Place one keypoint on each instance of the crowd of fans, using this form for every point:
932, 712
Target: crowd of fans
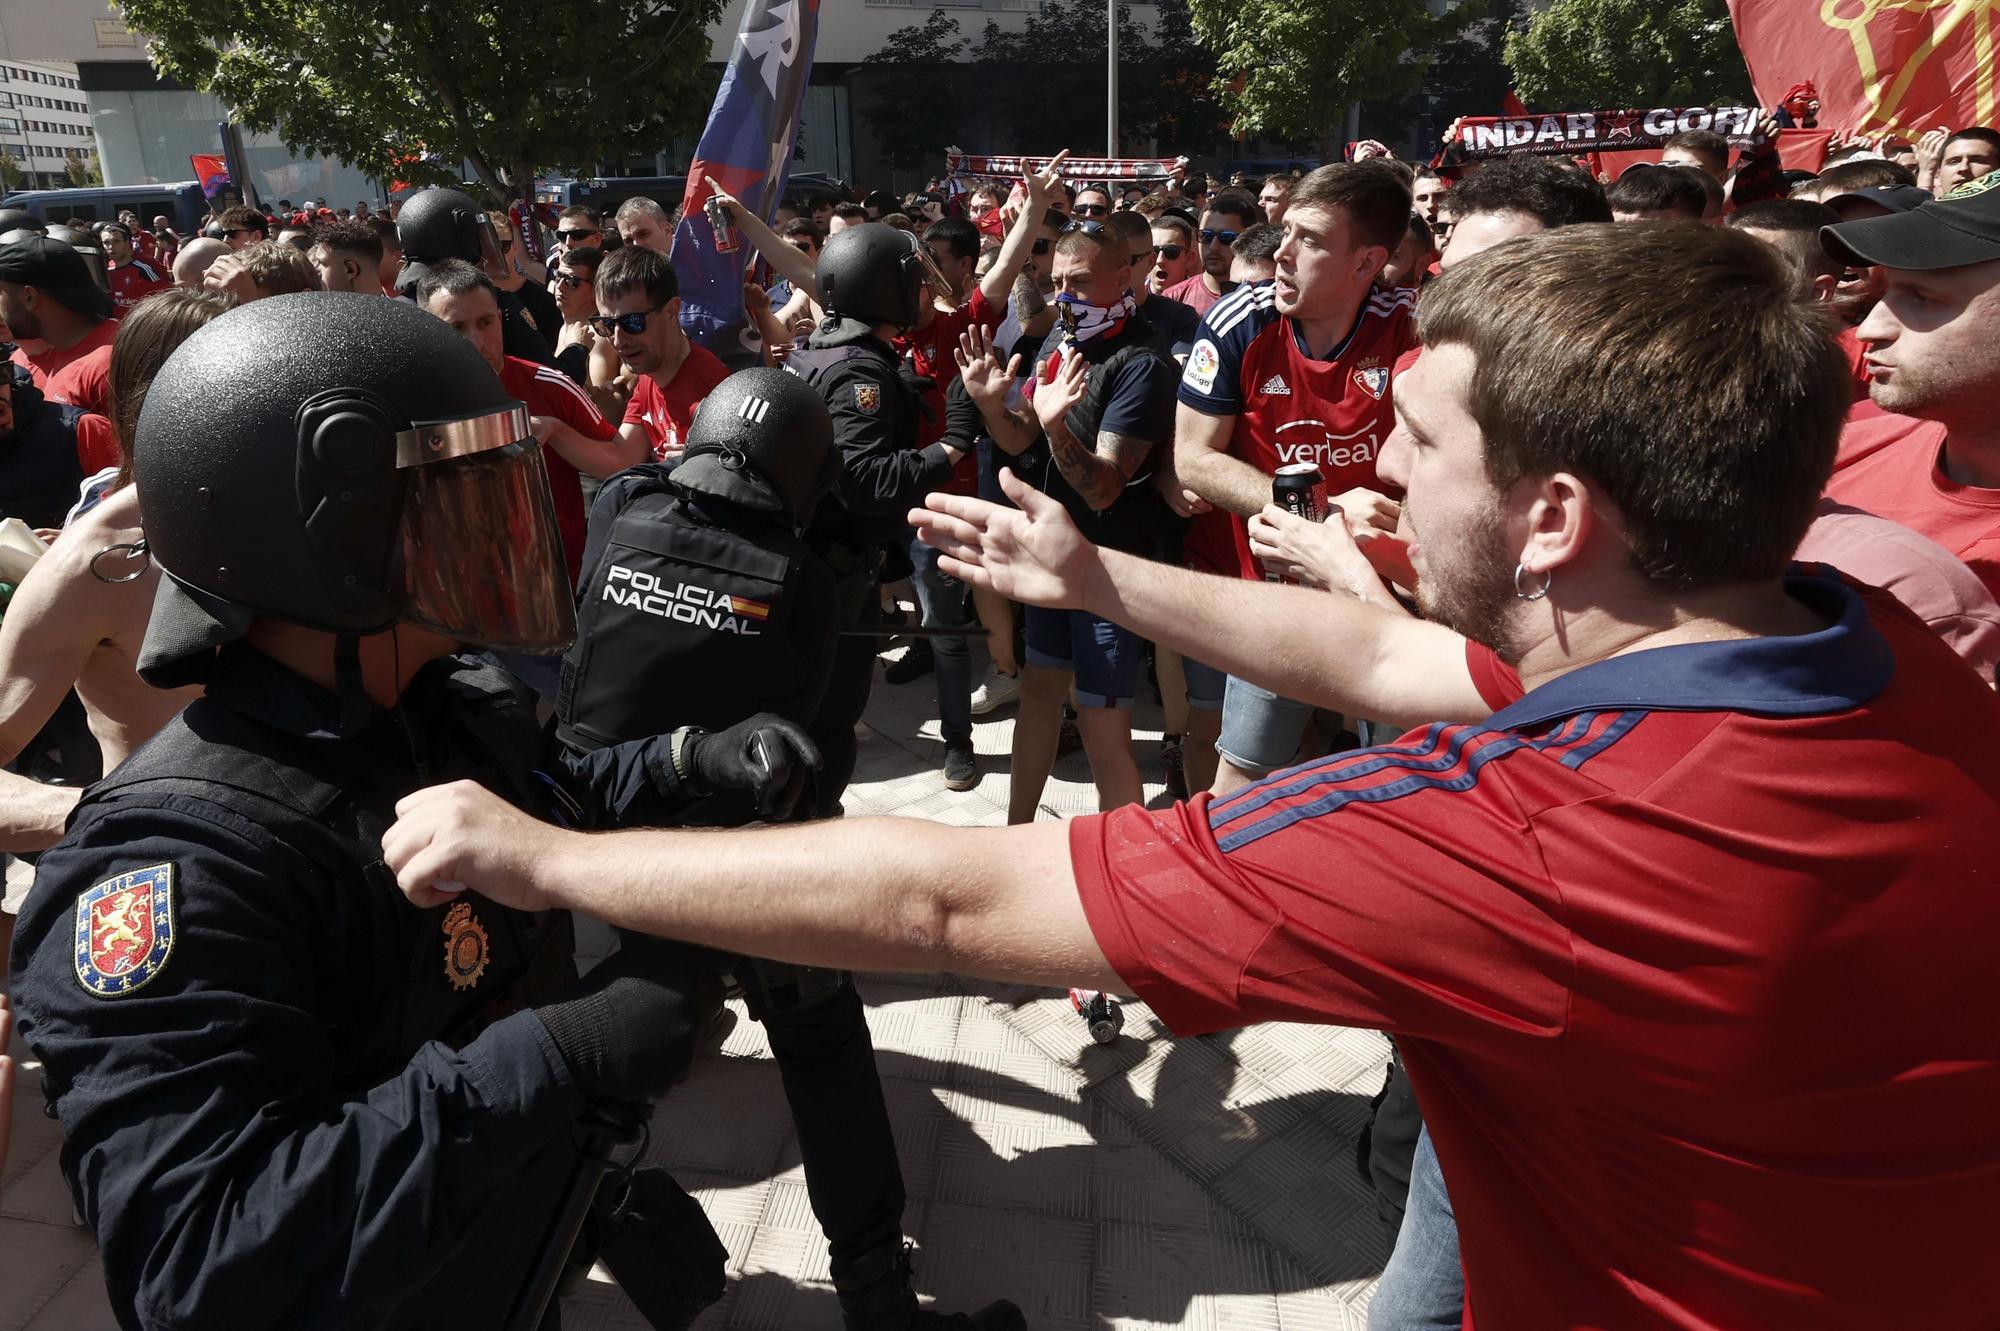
1148, 358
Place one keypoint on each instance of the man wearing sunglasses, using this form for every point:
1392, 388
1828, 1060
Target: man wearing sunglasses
1093, 203
1229, 215
240, 226
639, 313
1175, 258
580, 228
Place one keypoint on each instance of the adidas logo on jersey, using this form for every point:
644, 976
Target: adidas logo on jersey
1276, 386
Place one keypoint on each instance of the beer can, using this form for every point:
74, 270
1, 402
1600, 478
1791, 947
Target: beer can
1299, 488
726, 239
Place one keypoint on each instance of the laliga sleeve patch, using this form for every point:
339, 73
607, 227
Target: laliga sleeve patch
868, 398
1202, 365
125, 931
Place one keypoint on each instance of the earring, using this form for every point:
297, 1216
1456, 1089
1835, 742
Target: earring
1548, 581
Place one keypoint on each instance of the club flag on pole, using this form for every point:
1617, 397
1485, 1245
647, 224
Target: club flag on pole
747, 147
1908, 65
212, 170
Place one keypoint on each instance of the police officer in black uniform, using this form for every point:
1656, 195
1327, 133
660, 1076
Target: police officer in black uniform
871, 284
288, 1098
702, 604
438, 224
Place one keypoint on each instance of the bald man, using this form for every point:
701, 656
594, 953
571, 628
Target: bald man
192, 263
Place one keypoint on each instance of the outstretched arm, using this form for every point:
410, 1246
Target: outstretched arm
858, 893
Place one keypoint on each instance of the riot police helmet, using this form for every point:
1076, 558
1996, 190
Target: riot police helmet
342, 462
20, 219
85, 244
762, 439
871, 274
438, 224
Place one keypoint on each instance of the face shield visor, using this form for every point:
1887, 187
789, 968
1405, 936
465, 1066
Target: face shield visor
482, 559
488, 240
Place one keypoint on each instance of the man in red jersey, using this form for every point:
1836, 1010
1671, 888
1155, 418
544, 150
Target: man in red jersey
1230, 213
1295, 370
1933, 359
576, 440
1671, 986
133, 277
639, 313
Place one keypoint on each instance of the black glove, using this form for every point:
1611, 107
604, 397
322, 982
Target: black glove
766, 755
627, 1029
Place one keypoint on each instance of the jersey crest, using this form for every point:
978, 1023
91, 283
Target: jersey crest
1374, 380
125, 931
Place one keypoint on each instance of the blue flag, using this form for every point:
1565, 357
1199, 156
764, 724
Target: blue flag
747, 147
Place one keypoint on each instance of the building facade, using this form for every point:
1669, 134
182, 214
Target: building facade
45, 125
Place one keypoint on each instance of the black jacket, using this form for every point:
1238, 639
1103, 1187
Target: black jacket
40, 473
290, 1098
883, 473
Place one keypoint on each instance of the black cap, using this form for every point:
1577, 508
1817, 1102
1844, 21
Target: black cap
1889, 198
1961, 228
57, 270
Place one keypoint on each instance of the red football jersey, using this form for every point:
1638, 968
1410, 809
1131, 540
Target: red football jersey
1686, 954
665, 414
133, 282
1250, 362
547, 391
1888, 466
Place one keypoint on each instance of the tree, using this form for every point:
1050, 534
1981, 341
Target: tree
11, 174
1593, 54
407, 91
1291, 68
80, 173
914, 110
1467, 77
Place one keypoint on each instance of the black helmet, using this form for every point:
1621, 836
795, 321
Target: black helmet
20, 219
439, 224
871, 274
85, 244
341, 462
762, 438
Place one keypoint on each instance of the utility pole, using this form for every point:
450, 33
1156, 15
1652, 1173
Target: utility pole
1111, 80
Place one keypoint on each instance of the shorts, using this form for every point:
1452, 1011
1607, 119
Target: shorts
1104, 657
1205, 685
1261, 732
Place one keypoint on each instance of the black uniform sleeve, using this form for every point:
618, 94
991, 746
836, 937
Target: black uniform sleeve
625, 785
963, 425
517, 334
879, 478
228, 1180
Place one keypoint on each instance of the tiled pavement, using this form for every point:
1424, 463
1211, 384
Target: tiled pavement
1204, 1183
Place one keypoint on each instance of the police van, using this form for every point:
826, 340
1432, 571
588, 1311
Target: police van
181, 202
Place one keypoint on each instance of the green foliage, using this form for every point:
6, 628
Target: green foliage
1042, 87
1596, 54
79, 173
379, 83
1290, 68
1467, 77
11, 174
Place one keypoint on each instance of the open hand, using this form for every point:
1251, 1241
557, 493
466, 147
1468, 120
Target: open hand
1054, 399
1033, 554
460, 837
986, 380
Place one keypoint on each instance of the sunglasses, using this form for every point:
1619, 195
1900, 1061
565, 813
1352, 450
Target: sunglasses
578, 234
634, 323
571, 281
1213, 237
226, 232
1170, 252
1092, 210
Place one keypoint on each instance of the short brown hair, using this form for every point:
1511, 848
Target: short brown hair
1669, 365
636, 268
1703, 143
241, 218
1237, 204
1152, 205
1375, 198
146, 337
1791, 227
278, 270
350, 237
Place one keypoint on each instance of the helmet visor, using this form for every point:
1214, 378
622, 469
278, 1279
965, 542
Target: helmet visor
478, 487
490, 253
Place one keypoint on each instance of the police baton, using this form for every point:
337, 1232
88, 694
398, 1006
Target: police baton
605, 1128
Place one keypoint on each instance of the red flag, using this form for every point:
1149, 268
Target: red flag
1512, 105
212, 171
1910, 65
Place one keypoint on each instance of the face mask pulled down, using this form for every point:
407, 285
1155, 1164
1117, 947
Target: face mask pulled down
1084, 322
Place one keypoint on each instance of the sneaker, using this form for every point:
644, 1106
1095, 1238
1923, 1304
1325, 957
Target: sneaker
995, 691
961, 766
917, 662
1175, 764
1070, 739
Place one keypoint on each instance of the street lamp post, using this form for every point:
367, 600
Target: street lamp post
1111, 80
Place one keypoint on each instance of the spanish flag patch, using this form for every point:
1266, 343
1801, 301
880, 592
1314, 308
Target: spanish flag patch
743, 605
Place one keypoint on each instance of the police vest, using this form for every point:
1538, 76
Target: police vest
389, 986
681, 622
833, 522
